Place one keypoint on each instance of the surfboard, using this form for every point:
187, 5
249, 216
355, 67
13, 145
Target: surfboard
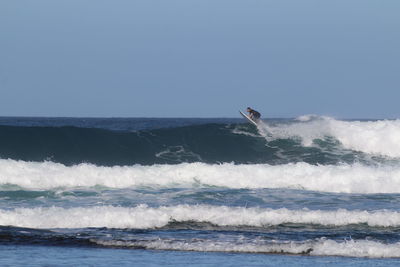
248, 118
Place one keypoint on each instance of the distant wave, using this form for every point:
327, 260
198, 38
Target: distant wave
144, 217
344, 178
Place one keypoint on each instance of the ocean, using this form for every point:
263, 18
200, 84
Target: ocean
205, 192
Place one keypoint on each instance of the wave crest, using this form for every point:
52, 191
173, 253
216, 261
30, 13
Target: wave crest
144, 217
321, 247
345, 178
380, 137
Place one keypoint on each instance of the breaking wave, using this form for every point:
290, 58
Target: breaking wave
344, 178
380, 137
145, 217
311, 139
319, 247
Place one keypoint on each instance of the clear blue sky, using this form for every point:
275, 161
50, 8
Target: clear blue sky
200, 58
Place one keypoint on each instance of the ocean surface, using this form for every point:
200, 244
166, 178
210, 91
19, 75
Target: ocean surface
204, 192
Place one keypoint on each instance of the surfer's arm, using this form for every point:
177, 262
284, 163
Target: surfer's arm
251, 115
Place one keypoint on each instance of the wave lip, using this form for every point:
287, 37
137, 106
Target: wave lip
344, 178
321, 247
380, 137
144, 217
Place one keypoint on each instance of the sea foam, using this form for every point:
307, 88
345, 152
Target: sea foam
321, 247
380, 137
145, 217
345, 178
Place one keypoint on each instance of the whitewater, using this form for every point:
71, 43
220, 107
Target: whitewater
309, 186
322, 247
144, 217
380, 137
343, 178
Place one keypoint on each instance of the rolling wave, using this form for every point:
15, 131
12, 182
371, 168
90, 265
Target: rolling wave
319, 247
315, 140
71, 145
343, 178
223, 242
144, 217
381, 137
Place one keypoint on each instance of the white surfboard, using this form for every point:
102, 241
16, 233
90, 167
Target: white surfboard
248, 118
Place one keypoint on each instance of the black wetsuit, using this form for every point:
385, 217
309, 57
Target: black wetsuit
255, 114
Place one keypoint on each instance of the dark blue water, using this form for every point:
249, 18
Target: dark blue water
81, 256
97, 191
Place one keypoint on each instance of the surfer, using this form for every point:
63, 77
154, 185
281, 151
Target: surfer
253, 114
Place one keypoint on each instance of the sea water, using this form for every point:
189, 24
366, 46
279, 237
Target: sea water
108, 191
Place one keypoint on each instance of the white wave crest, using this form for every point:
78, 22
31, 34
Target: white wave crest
326, 178
308, 117
322, 247
375, 137
144, 217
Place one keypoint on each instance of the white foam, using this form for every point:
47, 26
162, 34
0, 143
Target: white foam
308, 117
379, 137
322, 247
144, 217
327, 178
376, 137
